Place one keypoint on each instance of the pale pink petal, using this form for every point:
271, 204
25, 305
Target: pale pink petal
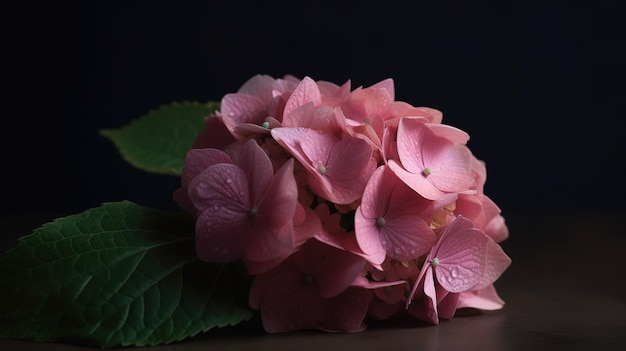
368, 237
242, 108
386, 84
260, 86
316, 147
417, 182
449, 166
406, 237
450, 133
307, 91
322, 119
485, 299
362, 104
496, 262
461, 259
497, 229
412, 137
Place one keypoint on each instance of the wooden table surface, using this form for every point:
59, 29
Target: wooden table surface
565, 290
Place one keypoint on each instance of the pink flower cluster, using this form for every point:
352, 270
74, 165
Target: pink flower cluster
344, 205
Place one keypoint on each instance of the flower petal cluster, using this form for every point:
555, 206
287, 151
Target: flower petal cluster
344, 204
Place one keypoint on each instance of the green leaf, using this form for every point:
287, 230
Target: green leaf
115, 275
159, 141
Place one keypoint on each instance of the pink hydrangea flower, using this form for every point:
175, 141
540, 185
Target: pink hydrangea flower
261, 97
390, 222
432, 161
313, 289
343, 205
245, 210
463, 259
338, 167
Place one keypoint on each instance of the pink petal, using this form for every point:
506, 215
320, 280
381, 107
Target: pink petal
485, 299
197, 160
427, 310
449, 166
368, 237
278, 204
214, 135
266, 243
346, 312
242, 108
386, 84
221, 184
288, 303
461, 259
258, 168
337, 271
307, 91
450, 133
406, 237
220, 234
417, 182
447, 304
260, 86
497, 229
496, 262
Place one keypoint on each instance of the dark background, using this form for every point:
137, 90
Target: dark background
539, 86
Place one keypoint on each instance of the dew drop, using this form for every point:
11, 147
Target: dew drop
454, 272
228, 180
203, 185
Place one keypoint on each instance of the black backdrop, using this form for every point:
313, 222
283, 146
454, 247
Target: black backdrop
539, 86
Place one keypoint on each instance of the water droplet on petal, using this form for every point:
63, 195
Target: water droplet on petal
454, 272
228, 180
203, 185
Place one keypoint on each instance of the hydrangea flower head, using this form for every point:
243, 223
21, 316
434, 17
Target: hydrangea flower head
344, 205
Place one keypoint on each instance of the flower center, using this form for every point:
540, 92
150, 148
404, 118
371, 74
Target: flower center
308, 279
321, 169
380, 221
253, 211
435, 262
426, 172
265, 125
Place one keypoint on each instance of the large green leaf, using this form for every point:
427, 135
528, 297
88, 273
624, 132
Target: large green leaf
119, 274
159, 141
